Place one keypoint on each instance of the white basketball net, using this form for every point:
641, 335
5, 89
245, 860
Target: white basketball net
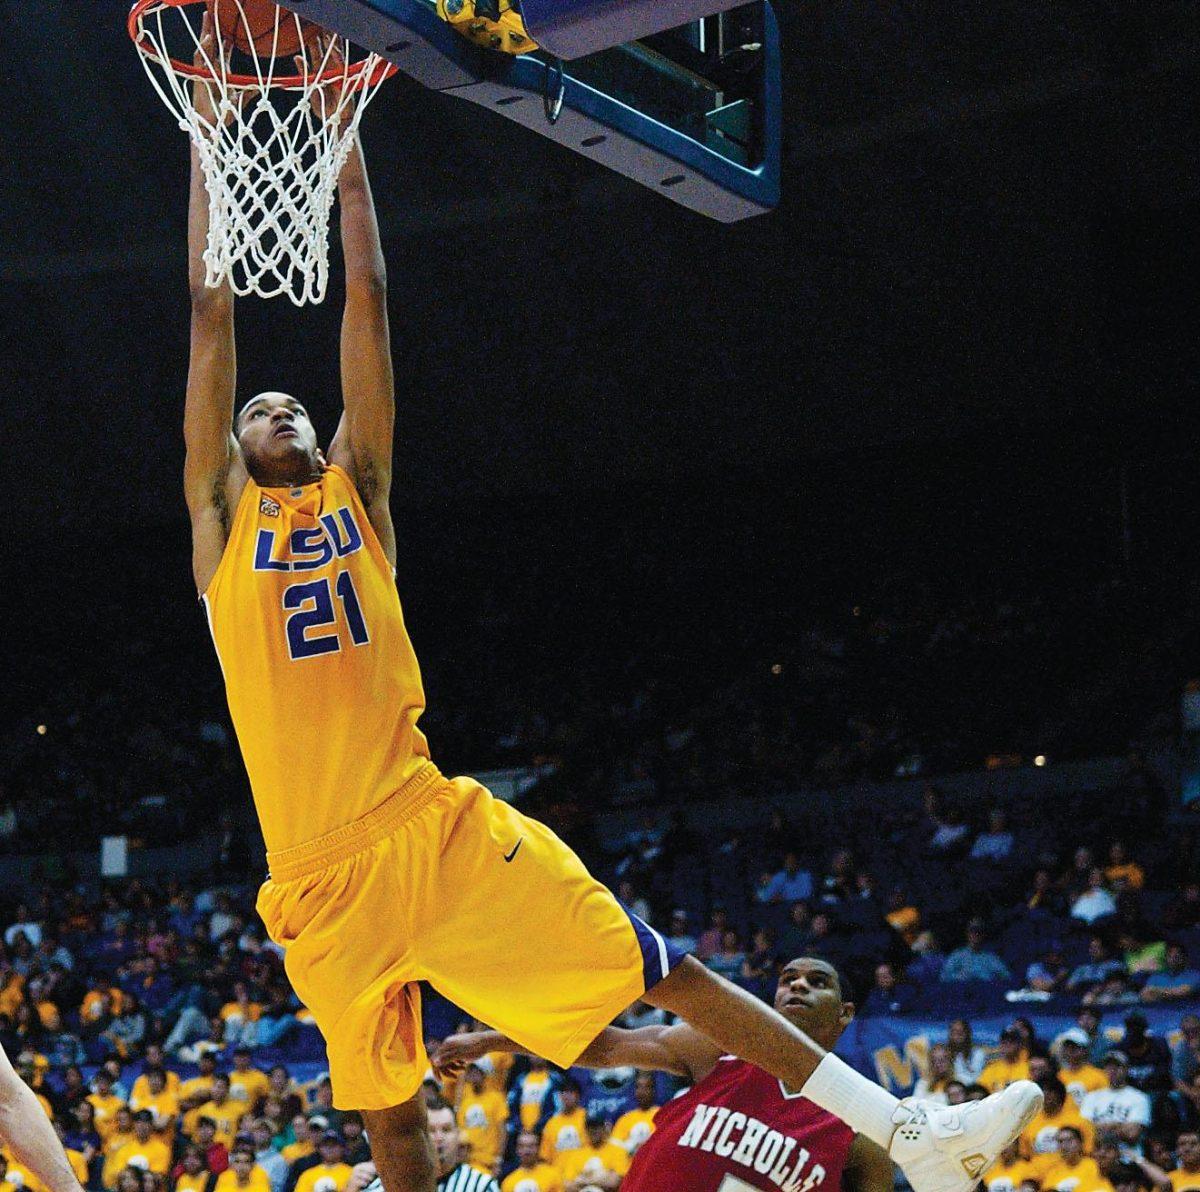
273, 154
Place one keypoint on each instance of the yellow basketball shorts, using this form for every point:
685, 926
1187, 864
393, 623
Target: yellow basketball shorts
445, 883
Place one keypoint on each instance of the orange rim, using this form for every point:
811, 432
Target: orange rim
355, 74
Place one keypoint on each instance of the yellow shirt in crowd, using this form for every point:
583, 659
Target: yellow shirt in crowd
249, 1086
106, 1113
593, 1161
338, 1172
542, 1178
1009, 1177
999, 1074
227, 1181
633, 1128
297, 1150
564, 1132
481, 1118
165, 1108
141, 1087
225, 1116
1039, 1142
1083, 1177
1082, 1080
533, 1093
154, 1151
1184, 1181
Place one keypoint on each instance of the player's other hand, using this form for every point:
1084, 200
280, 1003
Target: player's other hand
458, 1051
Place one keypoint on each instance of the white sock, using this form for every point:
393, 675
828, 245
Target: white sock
865, 1107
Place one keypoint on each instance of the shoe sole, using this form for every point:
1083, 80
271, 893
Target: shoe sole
1035, 1104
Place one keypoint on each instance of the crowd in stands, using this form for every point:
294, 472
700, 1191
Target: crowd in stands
157, 1023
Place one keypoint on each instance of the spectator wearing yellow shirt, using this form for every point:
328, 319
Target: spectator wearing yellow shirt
194, 1092
144, 1151
1039, 1142
224, 1111
1073, 1171
531, 1174
1008, 1066
120, 1134
155, 1058
162, 1103
634, 1127
482, 1117
331, 1149
243, 1173
1079, 1076
1122, 872
531, 1090
598, 1164
12, 993
247, 1084
1010, 1171
566, 1129
101, 1003
105, 1102
306, 1134
1186, 1177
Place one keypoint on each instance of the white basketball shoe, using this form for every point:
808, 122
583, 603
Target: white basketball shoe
946, 1148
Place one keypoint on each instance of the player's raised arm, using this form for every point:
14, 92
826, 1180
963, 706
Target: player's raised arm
363, 443
213, 472
28, 1134
678, 1049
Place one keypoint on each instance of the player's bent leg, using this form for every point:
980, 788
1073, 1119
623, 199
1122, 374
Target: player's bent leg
401, 1148
939, 1148
742, 1024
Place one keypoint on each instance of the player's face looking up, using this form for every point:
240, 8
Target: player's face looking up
278, 441
810, 996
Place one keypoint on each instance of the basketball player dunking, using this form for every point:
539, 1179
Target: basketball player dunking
382, 872
738, 1128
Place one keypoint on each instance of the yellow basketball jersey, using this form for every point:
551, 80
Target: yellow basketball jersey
321, 678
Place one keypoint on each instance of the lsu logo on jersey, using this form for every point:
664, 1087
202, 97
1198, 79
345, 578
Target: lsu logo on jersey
335, 535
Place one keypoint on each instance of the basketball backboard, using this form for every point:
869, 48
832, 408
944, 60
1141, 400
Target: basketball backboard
692, 112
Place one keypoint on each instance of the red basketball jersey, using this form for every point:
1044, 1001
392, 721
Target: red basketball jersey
738, 1131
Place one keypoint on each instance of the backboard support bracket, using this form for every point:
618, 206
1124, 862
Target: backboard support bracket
684, 112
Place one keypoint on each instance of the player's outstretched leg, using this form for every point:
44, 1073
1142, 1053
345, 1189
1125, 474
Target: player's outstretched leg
939, 1148
401, 1148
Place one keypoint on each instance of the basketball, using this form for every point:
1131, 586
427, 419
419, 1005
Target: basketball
250, 24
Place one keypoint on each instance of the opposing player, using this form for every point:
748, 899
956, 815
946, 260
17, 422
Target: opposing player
738, 1127
26, 1133
383, 872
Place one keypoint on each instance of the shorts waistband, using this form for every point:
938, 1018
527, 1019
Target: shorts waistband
414, 796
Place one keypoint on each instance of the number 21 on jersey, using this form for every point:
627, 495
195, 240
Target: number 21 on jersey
312, 609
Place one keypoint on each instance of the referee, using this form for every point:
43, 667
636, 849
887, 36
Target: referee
453, 1174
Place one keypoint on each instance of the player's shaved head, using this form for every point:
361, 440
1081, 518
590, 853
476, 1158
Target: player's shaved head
269, 398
